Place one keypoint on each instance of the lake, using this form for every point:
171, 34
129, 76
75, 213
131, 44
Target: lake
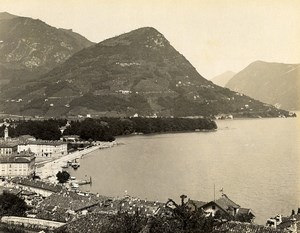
255, 161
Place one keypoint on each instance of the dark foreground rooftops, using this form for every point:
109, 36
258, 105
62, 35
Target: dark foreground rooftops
55, 188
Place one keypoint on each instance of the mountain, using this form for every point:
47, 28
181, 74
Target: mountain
138, 72
30, 47
222, 79
274, 83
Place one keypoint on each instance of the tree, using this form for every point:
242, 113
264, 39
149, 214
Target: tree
190, 220
11, 204
63, 176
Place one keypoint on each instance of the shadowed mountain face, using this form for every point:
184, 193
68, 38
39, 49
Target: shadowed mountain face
137, 72
29, 47
222, 79
274, 83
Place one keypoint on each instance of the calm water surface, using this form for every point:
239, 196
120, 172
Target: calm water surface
256, 162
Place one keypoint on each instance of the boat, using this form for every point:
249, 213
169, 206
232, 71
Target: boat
74, 185
75, 165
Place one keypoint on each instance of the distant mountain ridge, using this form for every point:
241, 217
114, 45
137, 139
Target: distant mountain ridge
136, 73
222, 79
30, 47
274, 83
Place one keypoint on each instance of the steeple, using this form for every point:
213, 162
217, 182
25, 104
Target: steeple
5, 133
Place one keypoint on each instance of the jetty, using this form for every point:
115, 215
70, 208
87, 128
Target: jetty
84, 182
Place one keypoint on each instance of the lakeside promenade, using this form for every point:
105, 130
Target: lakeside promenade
48, 169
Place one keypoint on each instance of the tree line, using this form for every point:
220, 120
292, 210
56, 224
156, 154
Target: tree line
105, 129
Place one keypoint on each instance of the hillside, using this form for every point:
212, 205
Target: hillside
135, 73
30, 47
222, 79
274, 83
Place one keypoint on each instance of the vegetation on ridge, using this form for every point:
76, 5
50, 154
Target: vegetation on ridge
136, 72
105, 129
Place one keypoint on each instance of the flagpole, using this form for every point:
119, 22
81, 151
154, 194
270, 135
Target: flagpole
214, 192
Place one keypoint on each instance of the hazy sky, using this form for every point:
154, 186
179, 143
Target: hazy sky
214, 35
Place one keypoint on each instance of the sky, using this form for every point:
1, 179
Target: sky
214, 35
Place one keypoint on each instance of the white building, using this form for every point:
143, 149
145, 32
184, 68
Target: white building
43, 148
17, 165
8, 148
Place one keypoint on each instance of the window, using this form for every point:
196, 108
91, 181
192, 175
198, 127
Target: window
213, 207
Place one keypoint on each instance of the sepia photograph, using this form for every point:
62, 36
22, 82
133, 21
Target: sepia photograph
148, 116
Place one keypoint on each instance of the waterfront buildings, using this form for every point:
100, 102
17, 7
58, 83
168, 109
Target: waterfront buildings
22, 164
43, 148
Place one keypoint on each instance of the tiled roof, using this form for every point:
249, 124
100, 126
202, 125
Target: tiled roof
198, 204
226, 203
45, 142
23, 157
245, 211
66, 201
8, 144
37, 184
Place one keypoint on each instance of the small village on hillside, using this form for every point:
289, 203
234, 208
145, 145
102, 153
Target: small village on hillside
29, 169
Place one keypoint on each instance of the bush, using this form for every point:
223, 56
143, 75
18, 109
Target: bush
11, 204
63, 176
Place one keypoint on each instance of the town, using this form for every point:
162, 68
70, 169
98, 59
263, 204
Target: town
35, 171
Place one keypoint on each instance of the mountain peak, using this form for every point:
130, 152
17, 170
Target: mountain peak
270, 82
147, 37
6, 15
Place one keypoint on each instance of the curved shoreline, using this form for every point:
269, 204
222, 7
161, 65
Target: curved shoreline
50, 168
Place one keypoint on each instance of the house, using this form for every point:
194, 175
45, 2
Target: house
287, 224
22, 164
42, 188
8, 148
223, 206
44, 148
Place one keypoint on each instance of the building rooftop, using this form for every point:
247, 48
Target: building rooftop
245, 211
37, 184
43, 142
5, 144
23, 157
198, 204
225, 203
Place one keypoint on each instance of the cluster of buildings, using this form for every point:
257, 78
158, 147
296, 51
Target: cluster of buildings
289, 224
18, 155
224, 207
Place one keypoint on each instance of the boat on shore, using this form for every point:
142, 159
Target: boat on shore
75, 165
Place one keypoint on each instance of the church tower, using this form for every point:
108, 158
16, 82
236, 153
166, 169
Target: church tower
5, 134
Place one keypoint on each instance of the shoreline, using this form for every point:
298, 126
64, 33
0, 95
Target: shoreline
166, 132
48, 169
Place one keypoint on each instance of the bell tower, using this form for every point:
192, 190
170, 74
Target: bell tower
5, 133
